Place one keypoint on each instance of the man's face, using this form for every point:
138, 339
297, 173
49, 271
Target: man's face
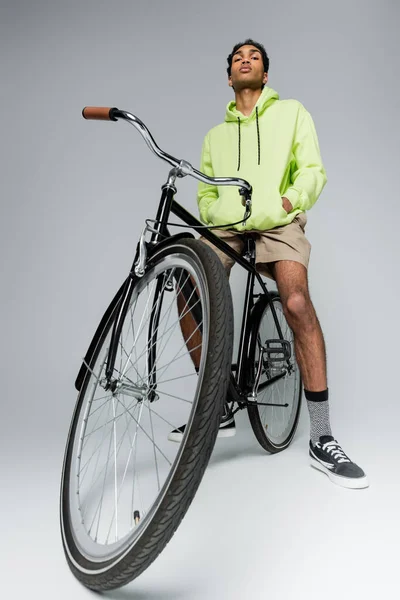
247, 69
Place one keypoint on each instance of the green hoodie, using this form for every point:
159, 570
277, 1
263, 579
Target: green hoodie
276, 149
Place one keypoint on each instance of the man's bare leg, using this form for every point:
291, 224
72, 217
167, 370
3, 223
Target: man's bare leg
291, 279
325, 453
309, 344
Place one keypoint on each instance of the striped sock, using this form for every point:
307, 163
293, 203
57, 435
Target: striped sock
318, 407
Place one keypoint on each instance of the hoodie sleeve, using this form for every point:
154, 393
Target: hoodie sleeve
206, 194
309, 176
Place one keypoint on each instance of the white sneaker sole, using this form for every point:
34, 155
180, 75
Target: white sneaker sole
347, 482
222, 433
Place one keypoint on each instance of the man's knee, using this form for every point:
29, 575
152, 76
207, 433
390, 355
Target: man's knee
298, 308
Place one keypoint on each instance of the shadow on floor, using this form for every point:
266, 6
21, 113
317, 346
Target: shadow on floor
130, 593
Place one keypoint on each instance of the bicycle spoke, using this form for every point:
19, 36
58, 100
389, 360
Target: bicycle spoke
131, 442
105, 467
99, 446
134, 472
159, 299
115, 472
137, 335
154, 448
91, 413
172, 395
162, 418
175, 357
98, 428
176, 378
102, 494
175, 325
165, 316
146, 349
147, 435
95, 469
131, 324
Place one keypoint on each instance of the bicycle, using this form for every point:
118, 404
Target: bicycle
124, 487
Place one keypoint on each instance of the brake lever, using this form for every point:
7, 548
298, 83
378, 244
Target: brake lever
246, 202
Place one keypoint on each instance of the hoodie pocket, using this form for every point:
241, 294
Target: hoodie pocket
283, 210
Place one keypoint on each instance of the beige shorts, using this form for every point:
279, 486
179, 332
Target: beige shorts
287, 242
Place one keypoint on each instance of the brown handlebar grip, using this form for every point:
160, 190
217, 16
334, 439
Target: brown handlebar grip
100, 113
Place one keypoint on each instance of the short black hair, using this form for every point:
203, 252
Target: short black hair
248, 42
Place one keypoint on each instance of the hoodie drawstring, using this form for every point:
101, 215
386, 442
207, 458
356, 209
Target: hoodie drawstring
238, 143
258, 140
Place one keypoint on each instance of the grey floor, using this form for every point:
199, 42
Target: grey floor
260, 526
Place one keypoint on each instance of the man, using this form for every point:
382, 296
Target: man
273, 144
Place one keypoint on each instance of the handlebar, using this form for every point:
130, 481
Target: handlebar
183, 167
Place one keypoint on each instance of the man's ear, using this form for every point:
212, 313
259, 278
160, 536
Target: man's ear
265, 79
230, 81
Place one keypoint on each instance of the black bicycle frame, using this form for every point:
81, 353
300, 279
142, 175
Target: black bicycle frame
239, 387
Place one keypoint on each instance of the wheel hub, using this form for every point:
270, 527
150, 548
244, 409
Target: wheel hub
140, 392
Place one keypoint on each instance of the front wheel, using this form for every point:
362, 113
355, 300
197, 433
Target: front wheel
274, 420
125, 487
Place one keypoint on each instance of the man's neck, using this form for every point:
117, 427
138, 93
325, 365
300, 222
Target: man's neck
246, 100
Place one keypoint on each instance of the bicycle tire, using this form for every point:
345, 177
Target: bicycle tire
200, 440
260, 428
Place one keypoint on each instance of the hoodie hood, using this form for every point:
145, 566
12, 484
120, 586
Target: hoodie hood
268, 96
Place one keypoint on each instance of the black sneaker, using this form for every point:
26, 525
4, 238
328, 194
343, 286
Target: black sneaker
227, 428
328, 457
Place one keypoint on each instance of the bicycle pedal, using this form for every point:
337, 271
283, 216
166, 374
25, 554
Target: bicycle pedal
277, 370
279, 352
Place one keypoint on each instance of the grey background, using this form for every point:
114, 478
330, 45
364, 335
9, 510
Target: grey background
74, 195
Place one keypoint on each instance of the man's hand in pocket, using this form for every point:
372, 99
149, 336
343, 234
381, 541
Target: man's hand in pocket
286, 204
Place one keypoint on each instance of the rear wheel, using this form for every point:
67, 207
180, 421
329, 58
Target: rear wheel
125, 487
274, 426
